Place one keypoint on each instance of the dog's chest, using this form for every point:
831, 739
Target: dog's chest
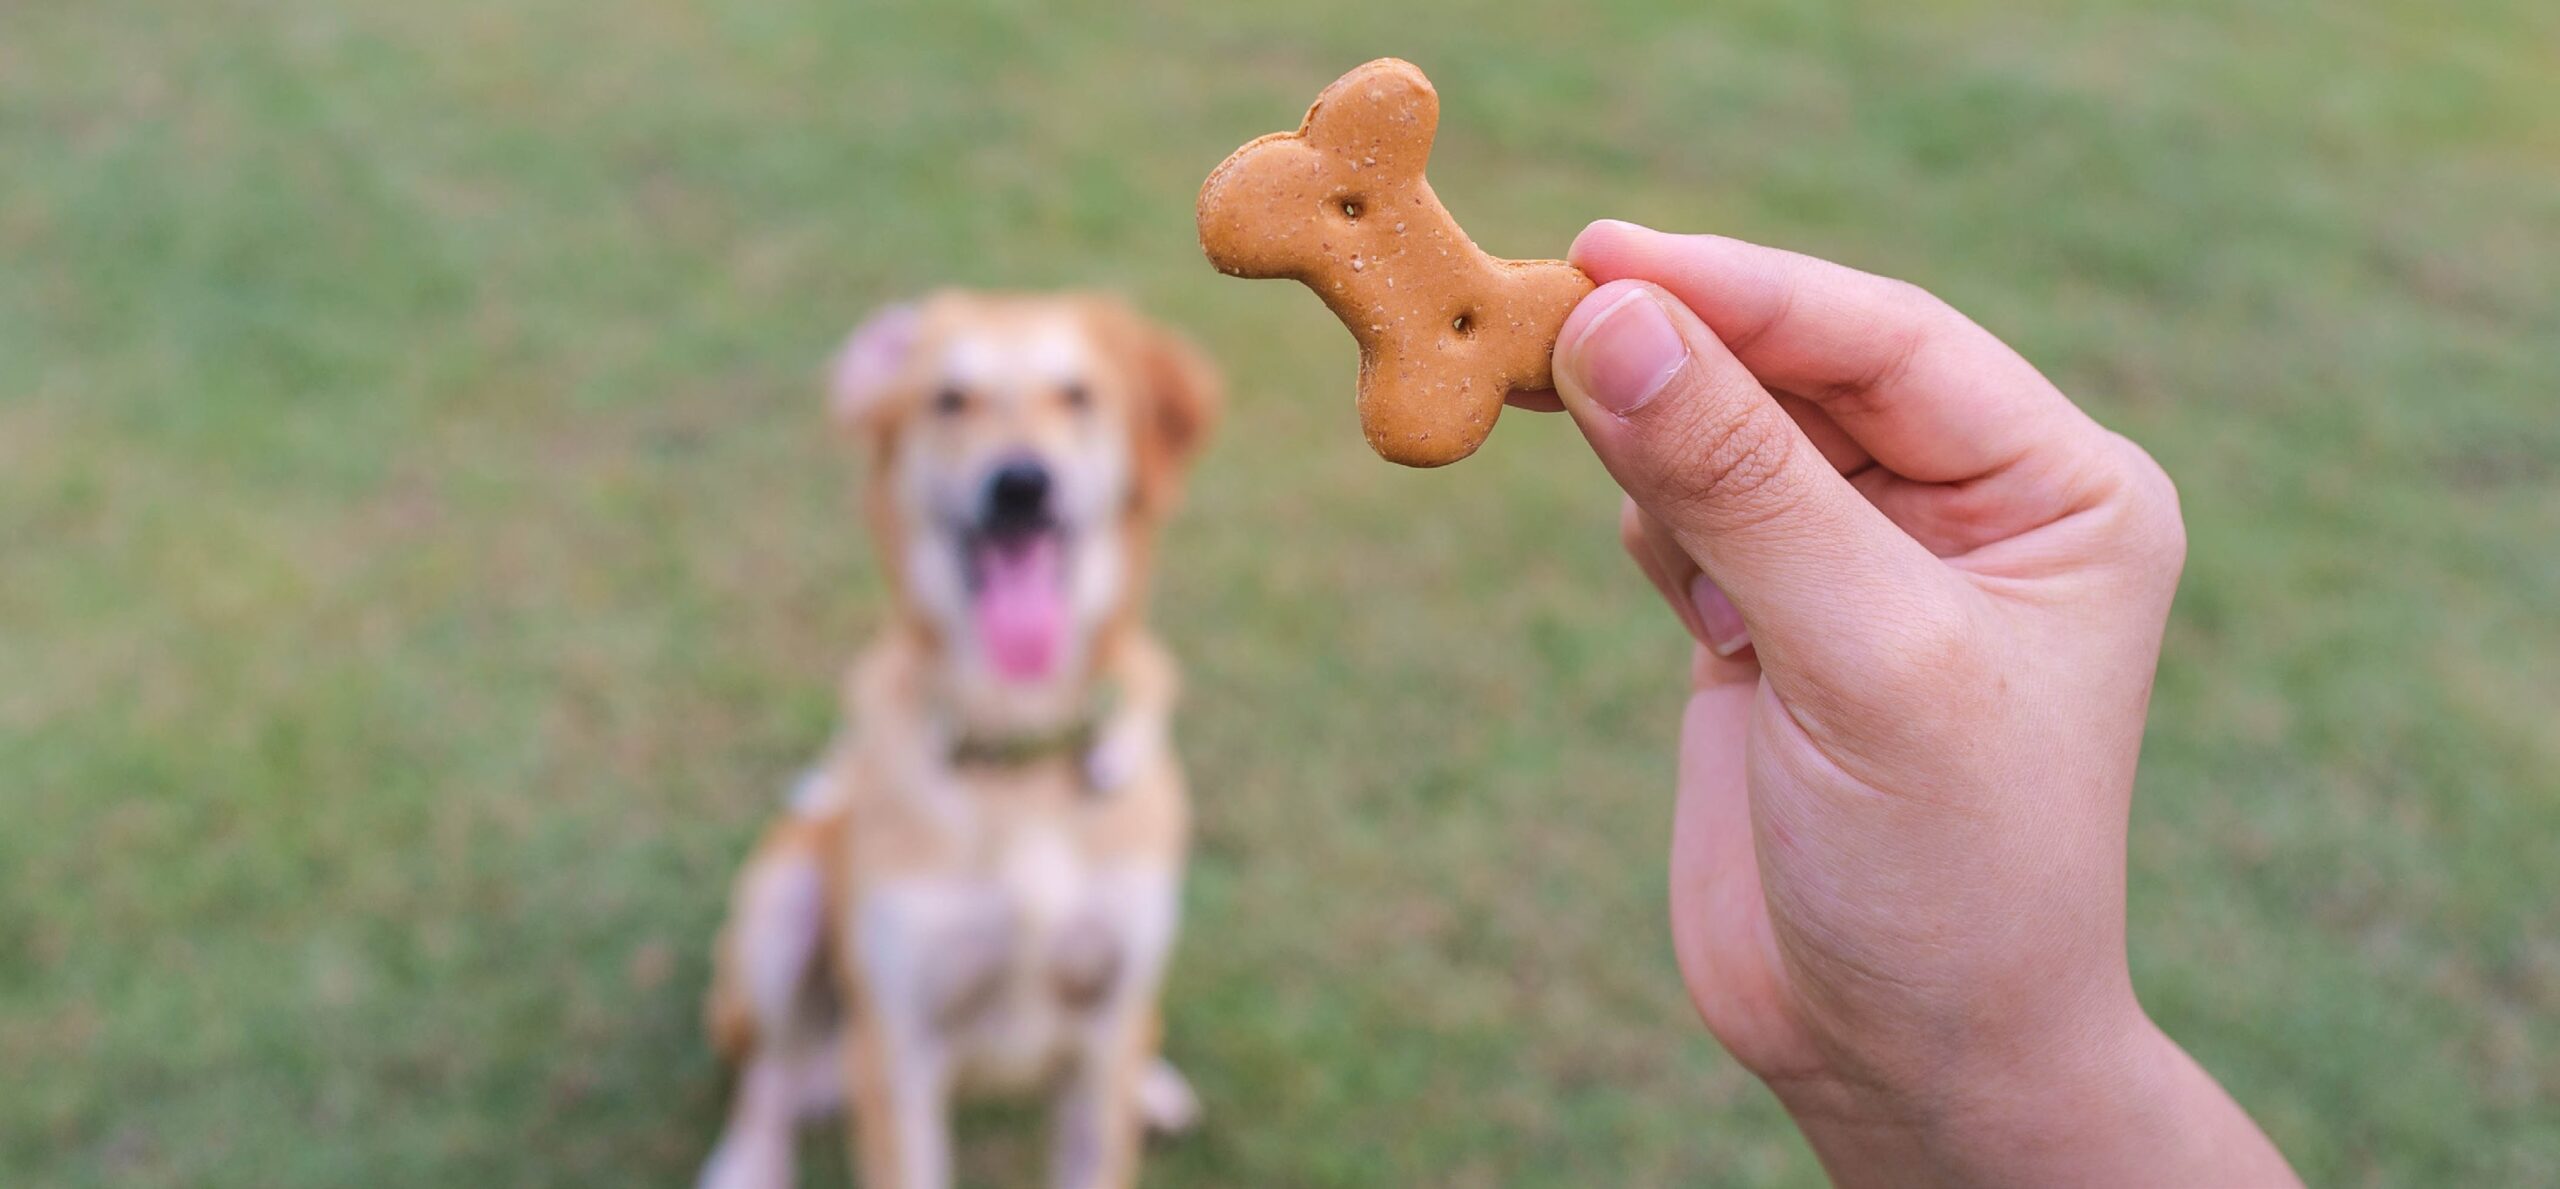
1011, 967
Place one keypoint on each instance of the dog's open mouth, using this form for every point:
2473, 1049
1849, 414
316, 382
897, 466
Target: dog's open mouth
1018, 599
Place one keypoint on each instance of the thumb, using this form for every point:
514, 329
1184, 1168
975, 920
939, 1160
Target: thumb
1837, 599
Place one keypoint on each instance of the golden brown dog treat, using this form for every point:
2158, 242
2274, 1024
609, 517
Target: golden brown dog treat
1341, 205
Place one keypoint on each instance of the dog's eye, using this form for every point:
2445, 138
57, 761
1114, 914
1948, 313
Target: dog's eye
1076, 396
947, 401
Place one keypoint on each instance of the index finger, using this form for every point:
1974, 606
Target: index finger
1926, 391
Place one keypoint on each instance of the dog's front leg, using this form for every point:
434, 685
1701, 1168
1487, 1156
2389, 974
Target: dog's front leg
1095, 1145
901, 1111
900, 1063
1100, 1128
763, 1011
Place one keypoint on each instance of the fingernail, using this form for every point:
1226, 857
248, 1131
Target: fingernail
1725, 633
1628, 352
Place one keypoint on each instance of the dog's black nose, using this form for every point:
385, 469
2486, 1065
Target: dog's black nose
1018, 495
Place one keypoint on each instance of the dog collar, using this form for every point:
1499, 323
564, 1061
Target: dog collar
1019, 749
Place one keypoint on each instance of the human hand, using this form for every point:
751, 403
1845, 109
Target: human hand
1929, 592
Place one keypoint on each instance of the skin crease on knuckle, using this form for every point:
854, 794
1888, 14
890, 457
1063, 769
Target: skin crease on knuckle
2086, 522
2163, 521
2124, 533
1715, 465
1849, 398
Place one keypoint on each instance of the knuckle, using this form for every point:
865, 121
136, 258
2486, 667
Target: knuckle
2152, 522
1916, 303
1723, 466
1911, 318
1912, 311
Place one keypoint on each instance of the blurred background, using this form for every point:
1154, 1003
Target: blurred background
424, 560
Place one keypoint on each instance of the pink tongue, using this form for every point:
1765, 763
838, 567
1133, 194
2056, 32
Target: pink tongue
1022, 607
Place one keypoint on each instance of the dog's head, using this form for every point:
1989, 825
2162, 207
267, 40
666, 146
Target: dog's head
1023, 448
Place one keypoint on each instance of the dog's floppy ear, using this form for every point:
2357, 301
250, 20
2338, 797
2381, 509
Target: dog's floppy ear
869, 364
1179, 398
1186, 393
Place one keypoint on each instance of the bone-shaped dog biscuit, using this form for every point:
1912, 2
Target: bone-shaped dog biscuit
1445, 330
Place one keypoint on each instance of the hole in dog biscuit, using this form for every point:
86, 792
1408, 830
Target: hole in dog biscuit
1351, 209
1465, 325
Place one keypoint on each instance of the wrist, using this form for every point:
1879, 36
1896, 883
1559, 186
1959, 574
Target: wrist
2114, 1101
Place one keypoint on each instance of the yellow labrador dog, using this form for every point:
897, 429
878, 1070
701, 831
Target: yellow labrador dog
975, 889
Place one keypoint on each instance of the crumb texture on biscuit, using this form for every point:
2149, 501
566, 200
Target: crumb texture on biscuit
1341, 205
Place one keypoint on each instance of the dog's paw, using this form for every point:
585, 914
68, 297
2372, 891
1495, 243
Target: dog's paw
1166, 1103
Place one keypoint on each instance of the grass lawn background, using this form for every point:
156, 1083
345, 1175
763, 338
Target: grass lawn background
423, 562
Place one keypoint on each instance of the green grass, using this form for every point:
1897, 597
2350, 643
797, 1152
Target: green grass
423, 562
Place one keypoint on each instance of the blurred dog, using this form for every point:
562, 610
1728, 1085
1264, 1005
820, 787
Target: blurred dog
976, 889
